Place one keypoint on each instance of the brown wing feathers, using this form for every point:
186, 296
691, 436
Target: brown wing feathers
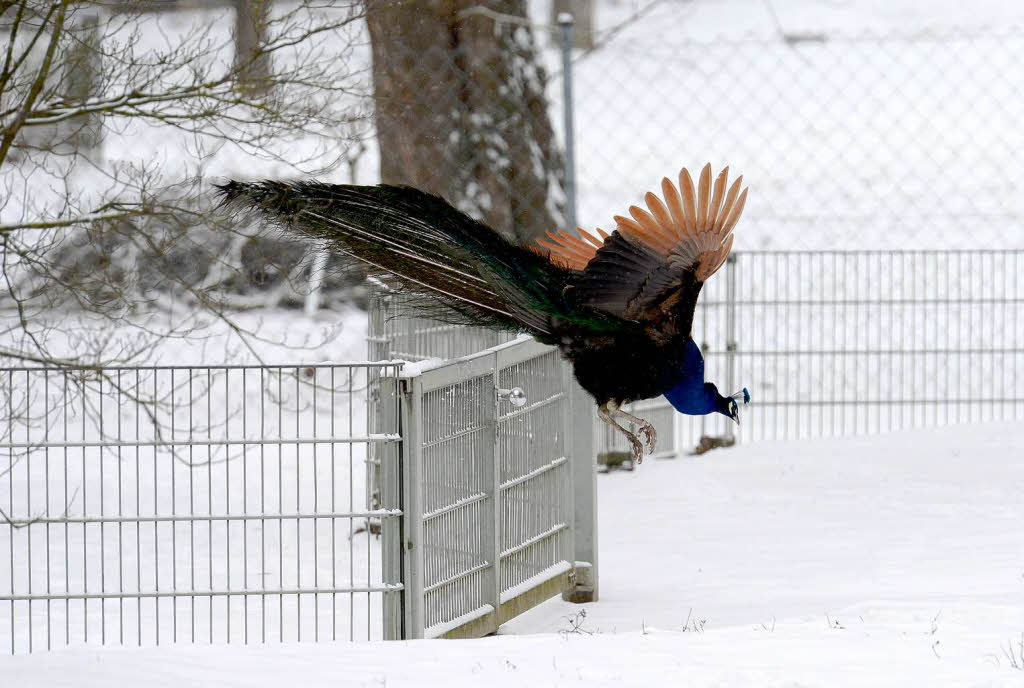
691, 227
574, 251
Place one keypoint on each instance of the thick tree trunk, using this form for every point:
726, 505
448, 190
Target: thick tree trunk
461, 110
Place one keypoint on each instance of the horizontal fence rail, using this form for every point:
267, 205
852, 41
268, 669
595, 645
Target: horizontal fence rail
206, 505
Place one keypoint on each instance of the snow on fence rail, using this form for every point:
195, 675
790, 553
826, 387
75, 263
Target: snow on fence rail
192, 504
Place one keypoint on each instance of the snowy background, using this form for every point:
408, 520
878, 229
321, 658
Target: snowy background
885, 561
891, 560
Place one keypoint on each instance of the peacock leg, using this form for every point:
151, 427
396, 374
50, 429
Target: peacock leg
607, 412
645, 428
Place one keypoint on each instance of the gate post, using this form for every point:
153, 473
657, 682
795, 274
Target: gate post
579, 447
388, 467
412, 507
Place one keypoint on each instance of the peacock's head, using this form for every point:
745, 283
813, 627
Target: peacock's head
729, 406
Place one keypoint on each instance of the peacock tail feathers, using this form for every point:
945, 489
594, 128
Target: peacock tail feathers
421, 245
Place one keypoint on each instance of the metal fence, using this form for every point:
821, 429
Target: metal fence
844, 343
202, 504
850, 140
836, 343
490, 486
501, 497
246, 504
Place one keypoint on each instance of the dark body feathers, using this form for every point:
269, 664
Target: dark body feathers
621, 311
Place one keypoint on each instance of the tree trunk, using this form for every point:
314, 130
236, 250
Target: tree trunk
252, 65
461, 110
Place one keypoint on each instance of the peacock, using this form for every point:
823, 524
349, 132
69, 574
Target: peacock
618, 306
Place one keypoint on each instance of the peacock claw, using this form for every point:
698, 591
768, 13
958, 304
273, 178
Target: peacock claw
650, 436
638, 448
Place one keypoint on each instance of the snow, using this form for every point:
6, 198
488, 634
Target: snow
893, 560
440, 629
538, 578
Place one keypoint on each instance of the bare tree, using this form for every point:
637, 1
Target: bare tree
461, 111
124, 228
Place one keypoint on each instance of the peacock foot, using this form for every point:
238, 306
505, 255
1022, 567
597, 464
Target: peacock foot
650, 436
637, 446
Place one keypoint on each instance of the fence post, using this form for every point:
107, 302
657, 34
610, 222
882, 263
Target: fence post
730, 334
580, 428
579, 448
412, 507
388, 465
565, 21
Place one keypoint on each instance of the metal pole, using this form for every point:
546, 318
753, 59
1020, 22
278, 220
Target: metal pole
581, 447
730, 334
565, 21
412, 508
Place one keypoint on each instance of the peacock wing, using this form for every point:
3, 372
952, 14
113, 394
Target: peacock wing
652, 267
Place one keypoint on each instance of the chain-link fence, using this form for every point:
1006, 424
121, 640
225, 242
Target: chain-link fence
848, 141
873, 140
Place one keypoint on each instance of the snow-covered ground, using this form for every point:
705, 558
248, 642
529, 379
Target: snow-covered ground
893, 560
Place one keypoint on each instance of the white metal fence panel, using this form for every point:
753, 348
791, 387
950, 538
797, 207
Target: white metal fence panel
395, 332
534, 482
213, 504
857, 342
490, 510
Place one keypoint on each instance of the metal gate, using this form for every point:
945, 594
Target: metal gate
489, 515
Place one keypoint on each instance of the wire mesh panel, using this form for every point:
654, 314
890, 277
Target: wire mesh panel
839, 343
395, 332
534, 471
214, 504
457, 468
491, 517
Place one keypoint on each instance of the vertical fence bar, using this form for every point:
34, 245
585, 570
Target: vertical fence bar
493, 531
565, 21
412, 508
579, 447
730, 334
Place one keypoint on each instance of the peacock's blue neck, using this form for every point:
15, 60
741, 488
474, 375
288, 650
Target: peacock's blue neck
694, 397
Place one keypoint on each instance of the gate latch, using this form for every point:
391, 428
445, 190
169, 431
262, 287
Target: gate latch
515, 396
